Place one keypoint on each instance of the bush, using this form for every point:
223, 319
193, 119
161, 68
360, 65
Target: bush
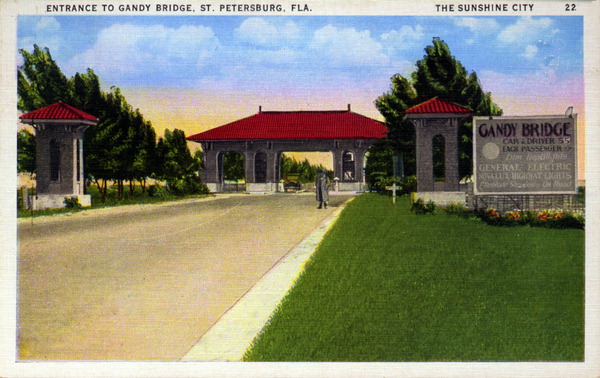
546, 218
408, 184
189, 184
155, 191
556, 219
72, 203
379, 182
491, 216
459, 210
420, 207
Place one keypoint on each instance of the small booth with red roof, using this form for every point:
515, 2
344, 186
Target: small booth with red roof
438, 118
59, 130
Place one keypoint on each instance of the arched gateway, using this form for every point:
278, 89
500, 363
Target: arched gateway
263, 137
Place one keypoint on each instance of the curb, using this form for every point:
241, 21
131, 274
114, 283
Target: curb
230, 337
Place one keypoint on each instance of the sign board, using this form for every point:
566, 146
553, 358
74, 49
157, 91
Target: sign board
525, 155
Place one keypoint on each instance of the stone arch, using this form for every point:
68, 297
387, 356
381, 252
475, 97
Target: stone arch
223, 156
348, 165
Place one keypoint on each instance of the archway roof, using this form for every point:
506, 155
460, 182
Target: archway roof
58, 111
438, 106
295, 125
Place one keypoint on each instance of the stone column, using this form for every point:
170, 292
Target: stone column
249, 163
424, 157
210, 173
359, 166
338, 156
451, 157
272, 174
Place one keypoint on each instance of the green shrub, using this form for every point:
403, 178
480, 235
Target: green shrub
379, 182
155, 191
420, 207
408, 184
556, 219
72, 203
185, 185
546, 218
458, 209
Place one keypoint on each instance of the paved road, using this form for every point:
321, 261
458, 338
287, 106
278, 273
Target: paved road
146, 282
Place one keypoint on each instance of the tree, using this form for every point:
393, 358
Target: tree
177, 165
25, 151
306, 171
40, 82
438, 74
233, 166
401, 132
120, 147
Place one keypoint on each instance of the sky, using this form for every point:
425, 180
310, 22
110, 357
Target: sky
199, 72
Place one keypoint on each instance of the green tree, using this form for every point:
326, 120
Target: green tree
120, 147
379, 162
401, 132
306, 171
177, 165
438, 74
25, 151
40, 82
233, 166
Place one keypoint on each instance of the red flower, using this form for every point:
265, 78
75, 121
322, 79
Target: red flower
514, 215
493, 213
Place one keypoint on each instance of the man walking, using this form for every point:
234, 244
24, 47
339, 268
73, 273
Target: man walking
322, 186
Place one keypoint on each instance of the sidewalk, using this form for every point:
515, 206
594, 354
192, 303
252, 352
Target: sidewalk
230, 337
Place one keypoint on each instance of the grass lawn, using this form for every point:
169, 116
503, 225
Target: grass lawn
388, 285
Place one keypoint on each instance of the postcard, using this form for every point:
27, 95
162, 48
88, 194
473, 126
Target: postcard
318, 188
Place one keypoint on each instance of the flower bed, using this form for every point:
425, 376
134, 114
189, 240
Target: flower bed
545, 218
491, 216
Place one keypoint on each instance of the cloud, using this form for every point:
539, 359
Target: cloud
478, 25
347, 47
128, 51
530, 52
47, 24
258, 31
405, 38
45, 34
526, 31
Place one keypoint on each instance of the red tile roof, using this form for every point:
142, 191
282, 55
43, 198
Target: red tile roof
59, 110
297, 125
438, 105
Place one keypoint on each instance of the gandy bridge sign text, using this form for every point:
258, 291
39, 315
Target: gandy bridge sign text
525, 155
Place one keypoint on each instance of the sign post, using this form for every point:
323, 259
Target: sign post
393, 189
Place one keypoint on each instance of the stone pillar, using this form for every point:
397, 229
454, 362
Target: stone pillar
272, 166
359, 165
424, 149
210, 172
452, 182
249, 163
338, 155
